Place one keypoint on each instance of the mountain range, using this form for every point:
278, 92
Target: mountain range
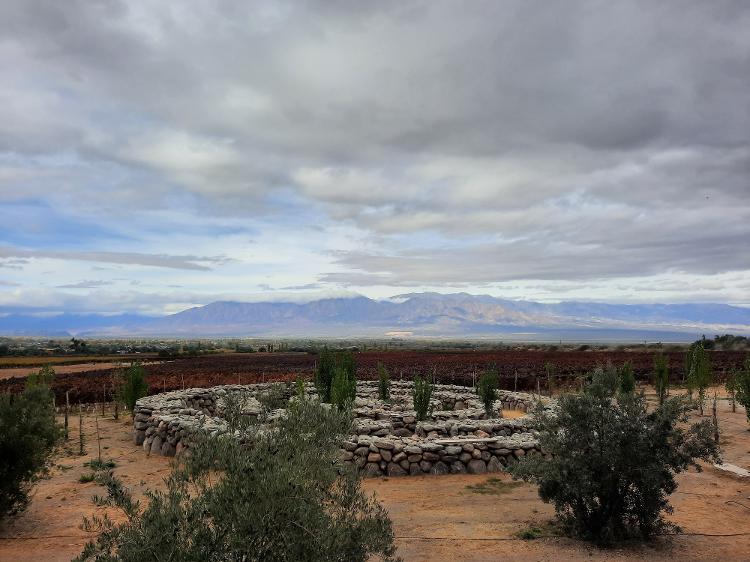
416, 314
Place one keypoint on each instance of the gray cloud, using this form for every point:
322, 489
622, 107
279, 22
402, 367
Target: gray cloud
463, 145
128, 258
88, 284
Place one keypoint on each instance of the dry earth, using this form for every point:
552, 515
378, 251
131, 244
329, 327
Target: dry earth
435, 517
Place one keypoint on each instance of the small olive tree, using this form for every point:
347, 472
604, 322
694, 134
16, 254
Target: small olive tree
286, 498
28, 435
611, 463
626, 378
661, 376
325, 371
421, 397
132, 385
742, 386
343, 388
698, 367
487, 390
384, 383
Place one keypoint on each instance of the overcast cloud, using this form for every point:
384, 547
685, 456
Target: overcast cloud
528, 149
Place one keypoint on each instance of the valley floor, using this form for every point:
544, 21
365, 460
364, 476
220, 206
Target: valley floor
435, 517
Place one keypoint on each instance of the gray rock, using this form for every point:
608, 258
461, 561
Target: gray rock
394, 469
458, 468
454, 450
425, 466
385, 455
440, 468
371, 469
493, 465
476, 466
156, 446
414, 469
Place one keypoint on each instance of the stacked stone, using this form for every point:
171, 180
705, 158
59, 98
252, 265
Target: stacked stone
401, 457
388, 441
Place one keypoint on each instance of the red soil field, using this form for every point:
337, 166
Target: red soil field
448, 367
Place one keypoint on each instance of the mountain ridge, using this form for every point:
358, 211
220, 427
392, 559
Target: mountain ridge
422, 314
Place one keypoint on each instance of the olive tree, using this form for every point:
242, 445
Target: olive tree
28, 434
610, 463
287, 497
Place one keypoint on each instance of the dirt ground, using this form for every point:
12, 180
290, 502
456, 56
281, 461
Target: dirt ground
434, 517
11, 372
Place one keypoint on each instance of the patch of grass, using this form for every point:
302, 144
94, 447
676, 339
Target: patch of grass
493, 486
103, 464
87, 477
539, 531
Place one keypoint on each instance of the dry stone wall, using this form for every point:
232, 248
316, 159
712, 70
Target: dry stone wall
458, 437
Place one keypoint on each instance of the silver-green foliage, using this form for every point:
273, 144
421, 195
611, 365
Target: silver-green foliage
661, 376
28, 434
132, 385
698, 367
487, 389
343, 389
422, 395
384, 383
611, 462
285, 498
742, 386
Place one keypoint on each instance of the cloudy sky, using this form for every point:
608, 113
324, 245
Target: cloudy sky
157, 155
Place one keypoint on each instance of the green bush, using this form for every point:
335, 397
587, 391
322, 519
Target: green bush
698, 368
274, 397
742, 386
487, 390
626, 378
343, 389
325, 372
132, 385
422, 395
288, 497
661, 376
28, 434
610, 463
384, 383
549, 370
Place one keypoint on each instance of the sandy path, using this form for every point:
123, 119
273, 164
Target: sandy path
435, 518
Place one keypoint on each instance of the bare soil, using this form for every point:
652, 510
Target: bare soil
434, 517
11, 372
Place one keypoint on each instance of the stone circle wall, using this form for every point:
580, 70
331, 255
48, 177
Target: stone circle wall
388, 440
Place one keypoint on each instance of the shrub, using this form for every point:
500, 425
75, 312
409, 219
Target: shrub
28, 434
611, 462
343, 389
742, 386
549, 370
698, 368
133, 385
43, 377
328, 363
324, 371
422, 394
274, 398
626, 378
288, 497
487, 390
661, 376
384, 383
